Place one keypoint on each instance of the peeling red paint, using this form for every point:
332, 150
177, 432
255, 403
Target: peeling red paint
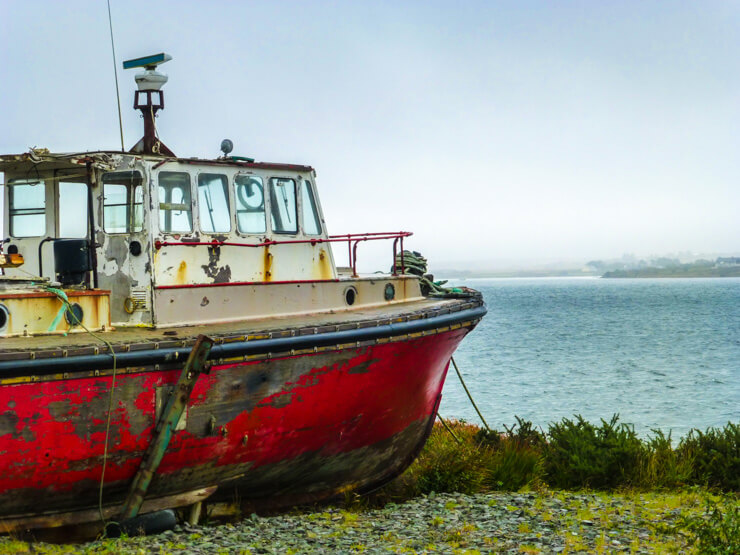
327, 404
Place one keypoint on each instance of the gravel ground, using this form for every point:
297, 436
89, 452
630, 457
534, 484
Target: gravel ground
549, 522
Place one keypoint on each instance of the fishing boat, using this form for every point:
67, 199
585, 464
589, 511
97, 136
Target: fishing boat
175, 329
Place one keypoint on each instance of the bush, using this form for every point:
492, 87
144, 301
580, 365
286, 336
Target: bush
513, 466
664, 467
581, 455
715, 456
573, 454
483, 460
445, 465
515, 457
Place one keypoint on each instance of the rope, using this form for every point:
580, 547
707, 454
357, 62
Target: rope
62, 296
449, 429
459, 375
415, 264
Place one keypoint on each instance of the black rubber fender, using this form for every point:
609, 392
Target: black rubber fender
143, 525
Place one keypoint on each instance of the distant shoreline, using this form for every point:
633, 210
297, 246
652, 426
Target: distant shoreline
619, 274
626, 267
690, 272
687, 271
462, 275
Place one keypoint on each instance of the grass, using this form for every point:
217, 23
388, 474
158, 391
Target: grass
716, 529
571, 454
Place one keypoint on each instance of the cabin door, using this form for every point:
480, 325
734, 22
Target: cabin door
124, 249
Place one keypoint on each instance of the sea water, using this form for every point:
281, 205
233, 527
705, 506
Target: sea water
662, 353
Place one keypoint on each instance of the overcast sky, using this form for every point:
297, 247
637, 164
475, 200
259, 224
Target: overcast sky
495, 131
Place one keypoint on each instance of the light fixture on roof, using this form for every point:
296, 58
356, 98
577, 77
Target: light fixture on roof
226, 146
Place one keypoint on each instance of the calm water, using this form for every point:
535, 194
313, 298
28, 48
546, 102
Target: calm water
663, 353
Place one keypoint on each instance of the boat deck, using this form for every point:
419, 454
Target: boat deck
138, 338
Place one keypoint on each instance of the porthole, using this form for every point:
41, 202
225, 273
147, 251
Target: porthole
389, 292
4, 317
350, 295
75, 318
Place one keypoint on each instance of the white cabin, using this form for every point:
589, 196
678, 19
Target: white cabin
180, 241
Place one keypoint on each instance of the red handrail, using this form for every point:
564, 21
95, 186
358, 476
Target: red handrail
352, 239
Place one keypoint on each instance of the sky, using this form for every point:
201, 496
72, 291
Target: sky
499, 133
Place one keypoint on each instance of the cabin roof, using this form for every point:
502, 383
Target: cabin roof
108, 160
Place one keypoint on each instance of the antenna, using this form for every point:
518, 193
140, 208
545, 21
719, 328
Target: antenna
115, 75
149, 99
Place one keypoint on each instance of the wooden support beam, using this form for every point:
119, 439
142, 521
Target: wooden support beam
166, 424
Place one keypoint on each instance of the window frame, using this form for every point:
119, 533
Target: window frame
200, 210
294, 179
190, 204
71, 176
314, 206
11, 184
130, 230
265, 204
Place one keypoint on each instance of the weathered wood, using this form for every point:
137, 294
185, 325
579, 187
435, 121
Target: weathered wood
54, 520
194, 514
166, 425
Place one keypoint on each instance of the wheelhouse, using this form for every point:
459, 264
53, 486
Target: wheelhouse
124, 223
180, 241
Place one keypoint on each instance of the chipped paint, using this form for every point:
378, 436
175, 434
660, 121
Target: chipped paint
34, 310
317, 409
212, 270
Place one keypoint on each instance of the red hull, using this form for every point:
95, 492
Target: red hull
278, 429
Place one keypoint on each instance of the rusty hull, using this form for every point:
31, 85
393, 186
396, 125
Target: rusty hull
274, 430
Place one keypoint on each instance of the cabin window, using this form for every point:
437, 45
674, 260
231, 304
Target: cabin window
175, 215
283, 205
250, 204
123, 202
311, 225
27, 208
73, 218
213, 203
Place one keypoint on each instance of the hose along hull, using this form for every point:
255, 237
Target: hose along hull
278, 430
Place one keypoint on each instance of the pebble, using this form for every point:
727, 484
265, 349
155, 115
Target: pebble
547, 522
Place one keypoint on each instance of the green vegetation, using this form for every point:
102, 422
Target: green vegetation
579, 454
715, 530
572, 454
715, 456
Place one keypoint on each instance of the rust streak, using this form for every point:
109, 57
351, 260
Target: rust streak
267, 264
182, 273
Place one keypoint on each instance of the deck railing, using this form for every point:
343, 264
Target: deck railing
352, 240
